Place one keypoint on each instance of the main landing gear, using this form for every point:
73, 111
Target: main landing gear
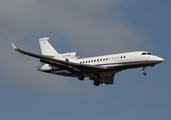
96, 83
144, 73
96, 80
81, 77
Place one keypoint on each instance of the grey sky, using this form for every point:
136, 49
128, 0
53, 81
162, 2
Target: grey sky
91, 27
85, 24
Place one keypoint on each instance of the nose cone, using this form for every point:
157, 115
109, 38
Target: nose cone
160, 59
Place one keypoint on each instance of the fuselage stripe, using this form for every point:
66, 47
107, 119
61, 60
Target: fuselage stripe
124, 63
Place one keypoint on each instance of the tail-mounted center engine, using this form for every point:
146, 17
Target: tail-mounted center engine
72, 55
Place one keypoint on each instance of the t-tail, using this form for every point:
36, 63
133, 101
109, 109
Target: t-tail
47, 49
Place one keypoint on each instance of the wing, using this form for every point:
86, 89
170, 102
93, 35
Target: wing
70, 66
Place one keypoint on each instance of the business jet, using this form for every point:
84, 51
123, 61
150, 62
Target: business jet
100, 69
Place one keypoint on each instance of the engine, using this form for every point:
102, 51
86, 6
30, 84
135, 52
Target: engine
72, 55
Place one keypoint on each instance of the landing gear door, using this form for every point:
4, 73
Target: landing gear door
108, 79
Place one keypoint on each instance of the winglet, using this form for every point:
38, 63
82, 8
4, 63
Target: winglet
16, 48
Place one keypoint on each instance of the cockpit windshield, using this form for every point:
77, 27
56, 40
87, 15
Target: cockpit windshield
146, 53
149, 54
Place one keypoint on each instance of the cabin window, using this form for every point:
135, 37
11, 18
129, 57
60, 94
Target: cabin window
94, 60
106, 58
80, 62
91, 60
86, 61
100, 59
124, 56
121, 57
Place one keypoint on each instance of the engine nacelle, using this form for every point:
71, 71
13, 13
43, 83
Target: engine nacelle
72, 55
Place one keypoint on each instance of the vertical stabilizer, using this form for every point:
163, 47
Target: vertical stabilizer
46, 48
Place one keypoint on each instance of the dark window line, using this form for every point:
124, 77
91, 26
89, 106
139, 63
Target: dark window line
104, 59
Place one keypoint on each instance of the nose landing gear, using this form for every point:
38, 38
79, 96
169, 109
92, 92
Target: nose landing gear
144, 73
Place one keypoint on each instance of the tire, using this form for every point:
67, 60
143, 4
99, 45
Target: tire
80, 77
144, 73
96, 83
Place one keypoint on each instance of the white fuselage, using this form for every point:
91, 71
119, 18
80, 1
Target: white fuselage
114, 63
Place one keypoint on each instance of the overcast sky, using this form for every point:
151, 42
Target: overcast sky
90, 27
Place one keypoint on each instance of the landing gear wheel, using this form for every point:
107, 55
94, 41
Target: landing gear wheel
144, 73
80, 77
96, 83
